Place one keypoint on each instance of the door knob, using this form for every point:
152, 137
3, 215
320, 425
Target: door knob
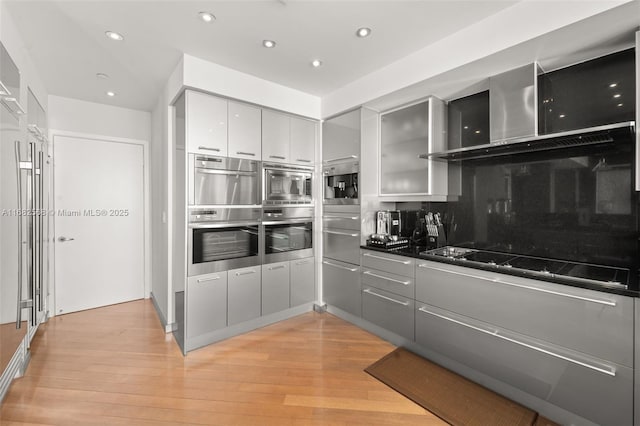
63, 239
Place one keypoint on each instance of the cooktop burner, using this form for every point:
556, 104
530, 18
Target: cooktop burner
603, 275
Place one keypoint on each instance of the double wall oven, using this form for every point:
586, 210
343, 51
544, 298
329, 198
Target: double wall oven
234, 223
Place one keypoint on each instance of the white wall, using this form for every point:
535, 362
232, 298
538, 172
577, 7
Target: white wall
74, 115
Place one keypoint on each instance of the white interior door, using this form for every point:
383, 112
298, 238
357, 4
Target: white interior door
99, 223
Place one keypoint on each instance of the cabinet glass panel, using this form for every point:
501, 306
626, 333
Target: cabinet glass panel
592, 93
404, 136
468, 121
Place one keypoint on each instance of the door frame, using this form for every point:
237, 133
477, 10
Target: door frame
146, 246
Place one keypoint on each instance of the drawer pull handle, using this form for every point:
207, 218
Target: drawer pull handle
209, 149
303, 262
246, 153
279, 157
368, 291
273, 268
527, 287
610, 371
238, 274
386, 278
346, 234
302, 160
339, 266
404, 262
350, 157
327, 216
202, 280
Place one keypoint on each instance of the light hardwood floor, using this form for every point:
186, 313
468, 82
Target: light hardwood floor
116, 366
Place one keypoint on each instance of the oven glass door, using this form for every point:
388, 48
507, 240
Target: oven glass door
287, 186
213, 244
283, 240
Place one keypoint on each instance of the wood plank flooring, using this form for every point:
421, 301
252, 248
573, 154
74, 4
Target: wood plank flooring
116, 366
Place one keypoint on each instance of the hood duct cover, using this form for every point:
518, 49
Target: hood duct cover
593, 136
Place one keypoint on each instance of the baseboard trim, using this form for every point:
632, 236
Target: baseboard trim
168, 328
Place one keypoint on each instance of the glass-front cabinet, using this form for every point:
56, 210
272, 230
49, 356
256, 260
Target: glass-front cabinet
405, 134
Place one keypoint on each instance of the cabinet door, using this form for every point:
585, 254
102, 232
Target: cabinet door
341, 286
341, 137
206, 124
303, 281
303, 141
275, 287
390, 311
275, 137
206, 304
245, 135
243, 301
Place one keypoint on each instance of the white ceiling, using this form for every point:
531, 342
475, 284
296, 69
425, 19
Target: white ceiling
67, 43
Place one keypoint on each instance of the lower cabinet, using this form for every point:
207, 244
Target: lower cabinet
587, 386
390, 311
244, 295
341, 286
303, 281
206, 309
275, 287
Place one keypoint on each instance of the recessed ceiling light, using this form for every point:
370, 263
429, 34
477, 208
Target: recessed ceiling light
613, 85
102, 76
562, 116
466, 127
111, 94
617, 95
207, 16
620, 105
268, 43
363, 32
316, 63
477, 132
114, 35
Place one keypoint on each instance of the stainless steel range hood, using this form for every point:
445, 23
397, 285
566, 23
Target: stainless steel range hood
581, 137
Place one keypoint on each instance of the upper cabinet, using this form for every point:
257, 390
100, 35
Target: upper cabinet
468, 121
275, 137
206, 124
303, 141
341, 138
288, 139
245, 138
405, 134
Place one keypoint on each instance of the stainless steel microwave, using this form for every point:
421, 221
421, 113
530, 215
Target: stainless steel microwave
223, 181
287, 185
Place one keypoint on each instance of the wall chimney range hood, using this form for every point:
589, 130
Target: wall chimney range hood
513, 119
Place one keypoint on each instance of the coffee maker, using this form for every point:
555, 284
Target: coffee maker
388, 228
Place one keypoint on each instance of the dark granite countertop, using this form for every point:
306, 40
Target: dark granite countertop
414, 251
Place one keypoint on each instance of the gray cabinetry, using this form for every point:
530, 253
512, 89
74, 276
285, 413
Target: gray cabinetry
245, 134
303, 141
599, 391
596, 323
275, 137
275, 287
205, 123
399, 265
341, 244
206, 309
303, 281
341, 286
388, 310
341, 137
244, 296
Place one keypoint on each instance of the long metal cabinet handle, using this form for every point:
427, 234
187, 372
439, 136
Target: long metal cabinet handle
339, 266
225, 172
386, 278
328, 216
368, 291
279, 157
350, 157
273, 268
20, 248
404, 262
246, 153
496, 333
346, 234
302, 160
3, 90
203, 280
302, 262
542, 290
206, 148
238, 274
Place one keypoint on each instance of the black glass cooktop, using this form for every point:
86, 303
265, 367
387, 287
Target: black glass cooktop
573, 271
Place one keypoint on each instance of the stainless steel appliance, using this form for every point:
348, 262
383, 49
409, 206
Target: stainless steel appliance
288, 233
388, 223
223, 181
220, 239
285, 184
341, 183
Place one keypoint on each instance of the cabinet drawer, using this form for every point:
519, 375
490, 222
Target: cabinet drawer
595, 323
206, 309
388, 310
341, 220
599, 391
341, 286
341, 245
403, 286
393, 264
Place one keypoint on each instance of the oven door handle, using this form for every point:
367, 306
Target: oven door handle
288, 222
221, 225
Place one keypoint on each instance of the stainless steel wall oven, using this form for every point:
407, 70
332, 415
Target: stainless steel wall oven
223, 181
288, 233
222, 239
